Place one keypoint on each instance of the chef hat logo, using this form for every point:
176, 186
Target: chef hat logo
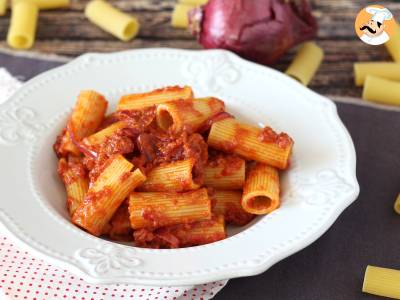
379, 14
374, 24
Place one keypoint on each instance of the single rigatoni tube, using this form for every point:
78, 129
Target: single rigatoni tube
202, 232
381, 90
261, 190
382, 282
76, 184
187, 115
193, 2
182, 235
387, 70
230, 136
227, 172
101, 136
86, 117
397, 204
22, 30
176, 176
3, 7
106, 194
88, 114
228, 204
306, 62
110, 19
76, 193
140, 101
154, 210
120, 224
393, 45
180, 18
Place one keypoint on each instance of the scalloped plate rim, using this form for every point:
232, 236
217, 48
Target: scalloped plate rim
244, 271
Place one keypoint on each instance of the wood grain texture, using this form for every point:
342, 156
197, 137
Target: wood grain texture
68, 32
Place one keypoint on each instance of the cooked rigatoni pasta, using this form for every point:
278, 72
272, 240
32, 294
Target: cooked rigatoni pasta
306, 62
85, 119
381, 90
112, 20
228, 204
153, 210
225, 172
392, 45
145, 173
199, 233
76, 193
75, 180
253, 143
187, 115
106, 194
382, 282
176, 176
140, 101
261, 190
88, 114
22, 30
387, 70
182, 235
180, 18
101, 136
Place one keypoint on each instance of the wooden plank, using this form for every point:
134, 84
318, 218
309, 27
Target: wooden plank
75, 48
67, 32
329, 6
336, 24
130, 5
74, 26
335, 76
336, 18
335, 51
323, 6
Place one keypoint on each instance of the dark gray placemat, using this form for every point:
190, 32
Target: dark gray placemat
27, 67
366, 233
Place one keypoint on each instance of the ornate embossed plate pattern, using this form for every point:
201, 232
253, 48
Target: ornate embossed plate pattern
320, 184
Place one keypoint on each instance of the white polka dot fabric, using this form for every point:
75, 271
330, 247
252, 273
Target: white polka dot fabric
25, 277
22, 276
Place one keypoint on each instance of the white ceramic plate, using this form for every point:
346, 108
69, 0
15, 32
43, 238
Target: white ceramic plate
320, 184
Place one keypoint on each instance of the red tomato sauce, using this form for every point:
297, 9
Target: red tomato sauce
237, 216
268, 135
120, 226
187, 107
71, 170
230, 163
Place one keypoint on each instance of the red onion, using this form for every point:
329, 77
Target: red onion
259, 30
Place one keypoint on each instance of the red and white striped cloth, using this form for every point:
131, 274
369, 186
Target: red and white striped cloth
22, 276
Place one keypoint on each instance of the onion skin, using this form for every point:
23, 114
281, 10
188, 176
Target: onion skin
258, 30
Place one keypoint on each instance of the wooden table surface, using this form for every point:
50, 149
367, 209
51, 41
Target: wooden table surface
67, 32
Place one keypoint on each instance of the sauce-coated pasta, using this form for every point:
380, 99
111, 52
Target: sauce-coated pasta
166, 169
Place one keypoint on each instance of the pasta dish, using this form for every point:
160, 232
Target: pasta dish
166, 169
